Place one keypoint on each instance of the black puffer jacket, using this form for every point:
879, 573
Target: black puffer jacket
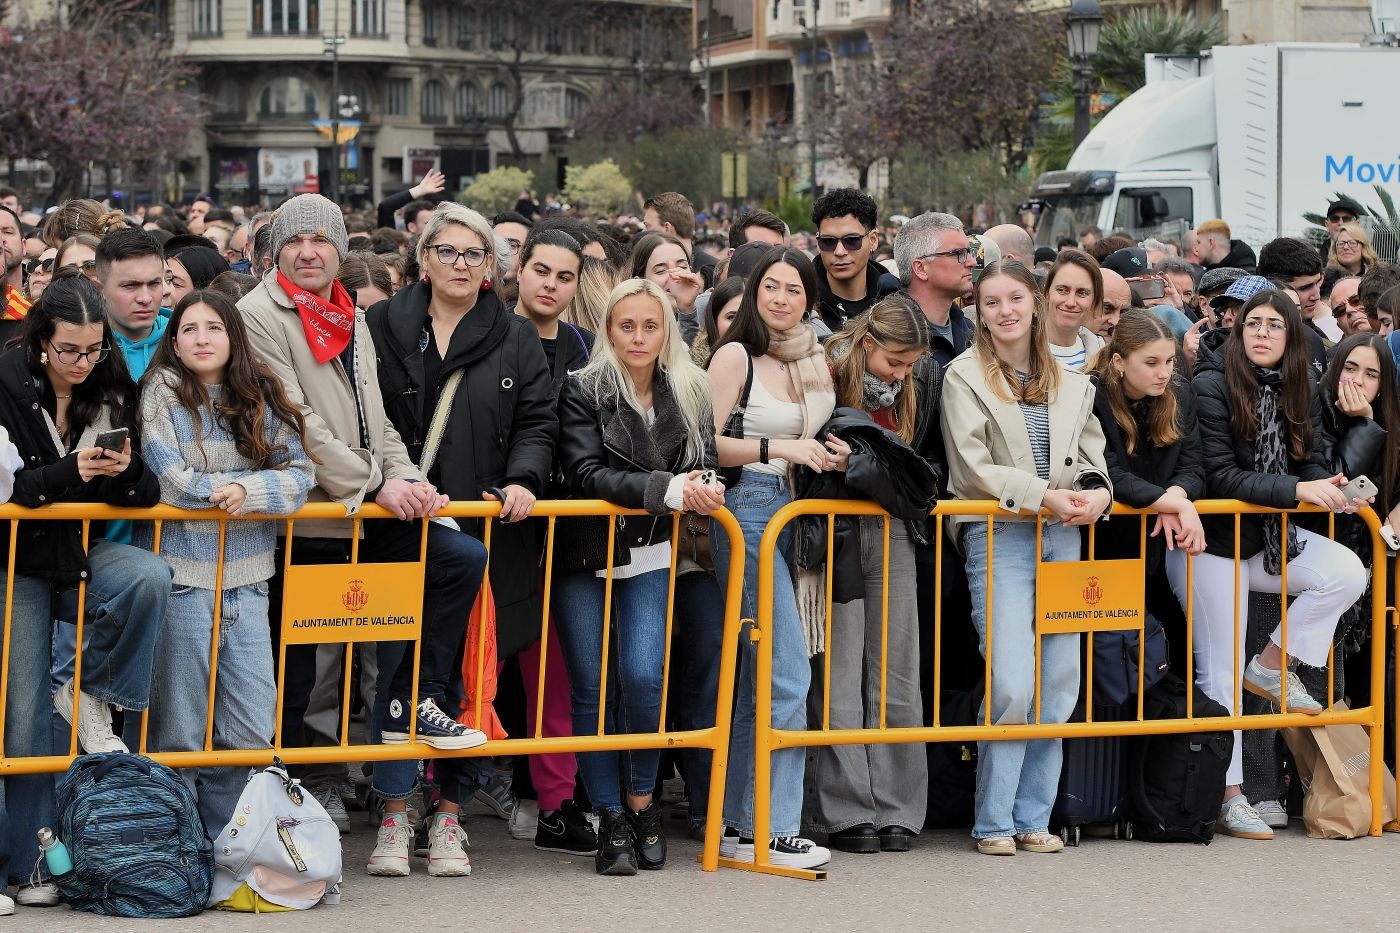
1140, 478
1228, 459
608, 452
47, 549
1356, 447
881, 468
501, 431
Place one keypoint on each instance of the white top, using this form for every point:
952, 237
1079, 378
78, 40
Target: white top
1071, 357
771, 417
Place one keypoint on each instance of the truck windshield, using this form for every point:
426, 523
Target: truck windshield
1064, 216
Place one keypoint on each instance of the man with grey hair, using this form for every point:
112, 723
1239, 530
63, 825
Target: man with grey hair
1014, 243
935, 265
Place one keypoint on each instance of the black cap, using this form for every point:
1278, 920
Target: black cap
745, 257
1345, 204
1130, 262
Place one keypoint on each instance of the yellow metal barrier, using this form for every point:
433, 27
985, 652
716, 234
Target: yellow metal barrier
767, 739
715, 739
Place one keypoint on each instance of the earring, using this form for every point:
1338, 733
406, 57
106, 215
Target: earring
43, 358
1118, 371
486, 285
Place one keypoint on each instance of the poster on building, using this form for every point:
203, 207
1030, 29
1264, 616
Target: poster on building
419, 160
233, 173
292, 170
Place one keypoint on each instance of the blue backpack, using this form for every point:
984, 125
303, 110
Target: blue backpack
136, 839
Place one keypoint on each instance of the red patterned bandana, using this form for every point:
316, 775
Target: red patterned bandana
328, 325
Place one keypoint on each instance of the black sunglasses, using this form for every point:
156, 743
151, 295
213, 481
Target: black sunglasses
851, 241
41, 265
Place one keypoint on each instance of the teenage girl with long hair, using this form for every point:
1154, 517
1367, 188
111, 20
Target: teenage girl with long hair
1020, 429
870, 798
218, 431
1262, 441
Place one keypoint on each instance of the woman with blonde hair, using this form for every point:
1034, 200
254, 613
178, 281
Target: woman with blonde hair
1351, 250
636, 430
1020, 429
80, 215
596, 280
874, 798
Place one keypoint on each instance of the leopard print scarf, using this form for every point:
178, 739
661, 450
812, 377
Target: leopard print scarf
1271, 456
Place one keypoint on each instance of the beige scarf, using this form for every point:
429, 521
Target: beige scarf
812, 379
798, 346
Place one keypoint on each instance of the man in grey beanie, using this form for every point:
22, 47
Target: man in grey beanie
302, 323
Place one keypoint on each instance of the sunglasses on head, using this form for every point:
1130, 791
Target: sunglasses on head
851, 241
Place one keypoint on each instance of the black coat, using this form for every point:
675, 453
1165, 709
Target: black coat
836, 311
1355, 447
47, 549
501, 431
1240, 256
1140, 478
1228, 459
609, 452
881, 468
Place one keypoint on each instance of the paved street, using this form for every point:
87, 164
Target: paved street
1293, 883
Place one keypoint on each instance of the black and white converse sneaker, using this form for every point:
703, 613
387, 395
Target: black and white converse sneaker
435, 727
788, 851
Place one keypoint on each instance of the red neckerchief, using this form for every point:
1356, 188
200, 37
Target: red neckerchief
328, 325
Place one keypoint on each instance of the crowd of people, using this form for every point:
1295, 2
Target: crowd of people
186, 359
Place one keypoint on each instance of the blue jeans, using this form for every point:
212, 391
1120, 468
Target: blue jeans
245, 697
753, 501
698, 634
1017, 780
125, 609
636, 655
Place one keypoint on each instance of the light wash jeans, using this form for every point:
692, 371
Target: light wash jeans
753, 501
1017, 781
126, 596
245, 696
636, 658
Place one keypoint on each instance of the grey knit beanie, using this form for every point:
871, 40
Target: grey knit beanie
309, 213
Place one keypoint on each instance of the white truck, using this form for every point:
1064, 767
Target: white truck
1255, 134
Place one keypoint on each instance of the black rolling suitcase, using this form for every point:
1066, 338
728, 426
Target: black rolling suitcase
1093, 781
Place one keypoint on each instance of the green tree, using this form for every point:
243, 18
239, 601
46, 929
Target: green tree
1118, 71
497, 190
601, 188
955, 182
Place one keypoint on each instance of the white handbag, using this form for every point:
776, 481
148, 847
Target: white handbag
280, 851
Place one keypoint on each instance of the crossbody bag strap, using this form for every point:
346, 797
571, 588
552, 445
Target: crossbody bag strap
438, 426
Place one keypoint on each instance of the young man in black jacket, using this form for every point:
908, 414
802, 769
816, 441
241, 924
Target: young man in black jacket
848, 280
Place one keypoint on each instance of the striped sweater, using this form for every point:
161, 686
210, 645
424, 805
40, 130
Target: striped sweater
189, 472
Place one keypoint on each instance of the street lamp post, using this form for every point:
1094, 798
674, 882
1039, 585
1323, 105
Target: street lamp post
812, 104
332, 43
1082, 25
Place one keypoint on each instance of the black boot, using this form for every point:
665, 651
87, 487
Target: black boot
650, 840
617, 852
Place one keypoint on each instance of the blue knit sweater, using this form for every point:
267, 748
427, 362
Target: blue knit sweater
192, 461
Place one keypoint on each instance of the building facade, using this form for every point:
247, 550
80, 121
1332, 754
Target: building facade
463, 84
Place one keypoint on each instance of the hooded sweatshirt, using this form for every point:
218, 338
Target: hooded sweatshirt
138, 353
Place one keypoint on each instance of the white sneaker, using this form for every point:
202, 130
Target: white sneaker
1272, 813
390, 856
524, 820
447, 854
7, 906
788, 851
95, 734
38, 892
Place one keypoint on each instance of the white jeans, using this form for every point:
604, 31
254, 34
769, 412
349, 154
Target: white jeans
1326, 578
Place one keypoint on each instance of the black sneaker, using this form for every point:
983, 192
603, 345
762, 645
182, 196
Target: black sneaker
617, 853
435, 727
566, 830
650, 840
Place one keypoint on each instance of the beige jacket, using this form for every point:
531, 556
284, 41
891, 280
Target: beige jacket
348, 472
989, 450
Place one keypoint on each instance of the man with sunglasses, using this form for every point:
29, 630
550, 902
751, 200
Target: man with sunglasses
1347, 310
1343, 211
848, 283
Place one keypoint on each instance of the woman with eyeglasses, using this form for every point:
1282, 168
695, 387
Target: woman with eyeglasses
1351, 250
1263, 441
61, 390
79, 253
41, 272
449, 349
